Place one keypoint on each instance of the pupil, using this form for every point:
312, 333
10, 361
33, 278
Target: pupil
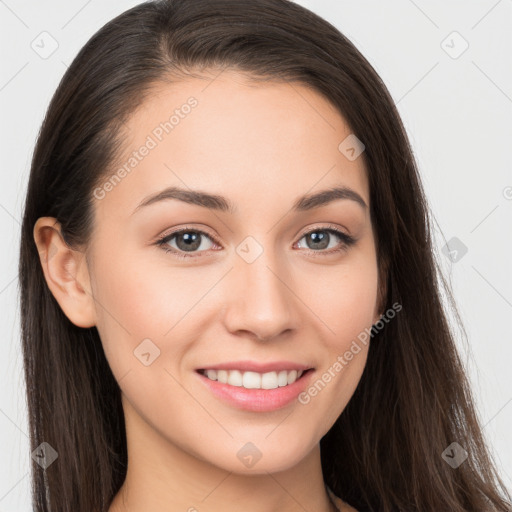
192, 241
319, 239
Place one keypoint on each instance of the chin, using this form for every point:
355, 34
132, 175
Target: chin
260, 457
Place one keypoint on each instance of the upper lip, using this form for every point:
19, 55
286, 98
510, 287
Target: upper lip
253, 366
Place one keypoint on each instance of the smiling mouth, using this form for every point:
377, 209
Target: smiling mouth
254, 380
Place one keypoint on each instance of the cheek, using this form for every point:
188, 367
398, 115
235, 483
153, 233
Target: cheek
136, 303
345, 300
144, 295
346, 309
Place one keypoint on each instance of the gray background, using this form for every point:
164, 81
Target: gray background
456, 106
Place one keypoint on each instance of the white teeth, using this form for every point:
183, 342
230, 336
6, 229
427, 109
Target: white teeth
254, 380
269, 380
222, 376
282, 378
251, 380
211, 374
292, 376
234, 378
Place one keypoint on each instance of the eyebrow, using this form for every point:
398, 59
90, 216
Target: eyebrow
222, 204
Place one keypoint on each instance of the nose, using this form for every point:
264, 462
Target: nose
261, 300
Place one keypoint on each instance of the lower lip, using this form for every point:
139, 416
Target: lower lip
257, 400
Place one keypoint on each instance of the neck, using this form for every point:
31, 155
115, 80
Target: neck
162, 477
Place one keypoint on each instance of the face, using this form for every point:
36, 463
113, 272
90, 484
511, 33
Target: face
252, 281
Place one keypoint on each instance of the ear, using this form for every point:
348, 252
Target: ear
66, 272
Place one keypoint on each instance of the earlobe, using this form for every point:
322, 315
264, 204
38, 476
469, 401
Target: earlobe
66, 273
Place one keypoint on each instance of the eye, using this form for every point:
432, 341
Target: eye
321, 238
186, 239
190, 240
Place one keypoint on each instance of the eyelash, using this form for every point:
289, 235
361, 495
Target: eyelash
346, 241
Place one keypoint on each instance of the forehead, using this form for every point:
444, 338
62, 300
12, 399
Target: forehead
227, 134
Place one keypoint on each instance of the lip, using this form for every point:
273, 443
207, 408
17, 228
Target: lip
253, 366
257, 400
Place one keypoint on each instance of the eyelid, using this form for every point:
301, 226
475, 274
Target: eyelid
324, 226
179, 230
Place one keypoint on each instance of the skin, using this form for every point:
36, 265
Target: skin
261, 146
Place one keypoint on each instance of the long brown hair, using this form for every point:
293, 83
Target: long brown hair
385, 450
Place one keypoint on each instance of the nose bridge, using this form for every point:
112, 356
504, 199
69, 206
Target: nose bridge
262, 301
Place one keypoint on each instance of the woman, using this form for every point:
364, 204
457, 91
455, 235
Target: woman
228, 292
